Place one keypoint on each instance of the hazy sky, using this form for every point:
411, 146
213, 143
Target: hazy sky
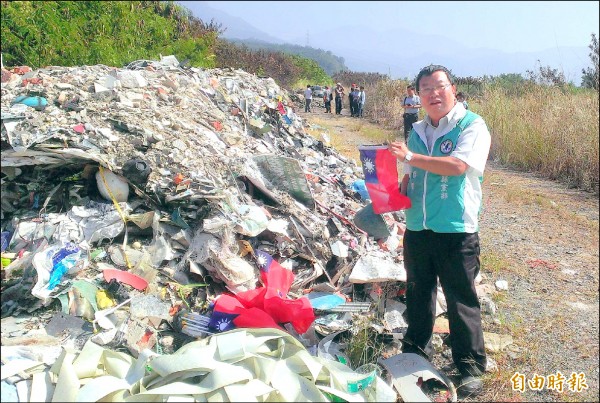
526, 26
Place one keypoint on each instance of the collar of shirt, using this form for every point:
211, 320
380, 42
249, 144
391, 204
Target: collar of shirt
446, 124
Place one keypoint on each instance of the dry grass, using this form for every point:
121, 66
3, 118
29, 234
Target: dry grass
545, 130
498, 384
346, 135
363, 346
492, 262
384, 103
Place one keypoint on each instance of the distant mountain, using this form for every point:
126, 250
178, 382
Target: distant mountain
239, 31
406, 52
402, 53
236, 28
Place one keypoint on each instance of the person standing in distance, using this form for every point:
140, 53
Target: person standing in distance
444, 162
327, 97
362, 97
307, 98
411, 104
339, 96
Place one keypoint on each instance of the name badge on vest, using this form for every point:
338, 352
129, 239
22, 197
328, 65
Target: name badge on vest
446, 146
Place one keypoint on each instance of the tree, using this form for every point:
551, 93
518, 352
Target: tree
546, 75
590, 75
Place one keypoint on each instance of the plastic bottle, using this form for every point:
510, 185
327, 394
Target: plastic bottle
59, 269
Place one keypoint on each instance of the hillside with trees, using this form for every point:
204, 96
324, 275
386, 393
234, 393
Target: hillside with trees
329, 62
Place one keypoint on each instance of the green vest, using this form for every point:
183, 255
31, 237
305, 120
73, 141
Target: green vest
438, 202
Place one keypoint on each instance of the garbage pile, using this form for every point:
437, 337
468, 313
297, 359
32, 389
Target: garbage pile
176, 232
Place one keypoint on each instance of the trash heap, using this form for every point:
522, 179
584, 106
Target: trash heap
152, 210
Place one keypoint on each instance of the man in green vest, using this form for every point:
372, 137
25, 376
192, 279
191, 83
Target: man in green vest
444, 162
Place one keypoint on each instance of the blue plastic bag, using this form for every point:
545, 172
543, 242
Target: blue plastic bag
37, 103
360, 187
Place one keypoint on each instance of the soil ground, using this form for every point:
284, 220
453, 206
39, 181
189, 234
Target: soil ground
542, 238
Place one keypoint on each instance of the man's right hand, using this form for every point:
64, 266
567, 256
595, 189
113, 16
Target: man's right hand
398, 149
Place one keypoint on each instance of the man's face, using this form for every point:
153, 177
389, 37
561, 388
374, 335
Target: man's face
410, 92
437, 95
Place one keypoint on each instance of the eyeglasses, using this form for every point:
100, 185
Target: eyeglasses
429, 90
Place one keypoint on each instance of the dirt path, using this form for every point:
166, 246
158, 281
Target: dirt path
542, 238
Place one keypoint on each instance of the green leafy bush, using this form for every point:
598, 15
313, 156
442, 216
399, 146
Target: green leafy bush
68, 33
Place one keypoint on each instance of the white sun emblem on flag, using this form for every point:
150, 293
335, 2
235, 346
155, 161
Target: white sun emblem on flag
261, 260
369, 166
222, 324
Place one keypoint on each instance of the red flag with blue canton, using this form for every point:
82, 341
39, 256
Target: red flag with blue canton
381, 179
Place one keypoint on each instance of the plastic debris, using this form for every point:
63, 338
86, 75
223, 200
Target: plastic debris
193, 201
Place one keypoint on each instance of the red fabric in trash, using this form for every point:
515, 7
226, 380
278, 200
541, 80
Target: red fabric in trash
277, 281
269, 305
252, 298
255, 317
280, 108
229, 309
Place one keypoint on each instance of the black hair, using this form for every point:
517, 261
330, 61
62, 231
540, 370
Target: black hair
461, 94
429, 70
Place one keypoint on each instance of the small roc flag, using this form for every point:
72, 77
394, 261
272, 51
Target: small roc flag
381, 179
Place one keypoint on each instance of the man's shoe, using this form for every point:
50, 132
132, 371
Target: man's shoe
470, 386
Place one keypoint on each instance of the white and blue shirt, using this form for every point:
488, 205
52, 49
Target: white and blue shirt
448, 204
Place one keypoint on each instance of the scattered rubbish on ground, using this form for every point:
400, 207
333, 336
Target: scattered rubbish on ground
497, 342
501, 285
174, 232
416, 380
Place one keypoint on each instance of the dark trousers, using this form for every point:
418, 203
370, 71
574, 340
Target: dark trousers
354, 108
328, 106
338, 105
409, 119
307, 105
454, 259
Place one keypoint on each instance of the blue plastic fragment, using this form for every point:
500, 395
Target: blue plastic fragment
36, 102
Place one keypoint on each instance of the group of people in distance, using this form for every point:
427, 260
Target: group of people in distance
357, 97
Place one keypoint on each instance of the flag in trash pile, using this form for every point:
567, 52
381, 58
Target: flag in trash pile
381, 179
266, 306
281, 108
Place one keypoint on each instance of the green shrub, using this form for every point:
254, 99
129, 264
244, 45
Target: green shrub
70, 33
